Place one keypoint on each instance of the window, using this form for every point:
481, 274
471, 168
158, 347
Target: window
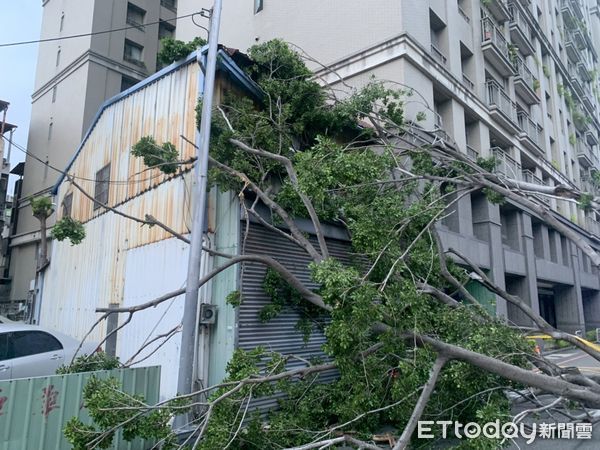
258, 6
50, 127
3, 346
169, 4
54, 94
127, 82
67, 205
135, 16
165, 30
62, 21
101, 188
58, 57
133, 52
25, 343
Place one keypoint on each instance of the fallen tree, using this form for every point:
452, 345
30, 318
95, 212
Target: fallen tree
406, 337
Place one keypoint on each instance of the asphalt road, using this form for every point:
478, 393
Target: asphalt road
586, 364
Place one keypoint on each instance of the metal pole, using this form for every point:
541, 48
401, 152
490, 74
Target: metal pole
190, 312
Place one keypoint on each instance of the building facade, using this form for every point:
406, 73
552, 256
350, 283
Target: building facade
6, 137
74, 77
517, 80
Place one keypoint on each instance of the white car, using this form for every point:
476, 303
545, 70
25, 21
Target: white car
32, 351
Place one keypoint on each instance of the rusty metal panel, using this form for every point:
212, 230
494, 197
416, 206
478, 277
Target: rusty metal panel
164, 109
92, 274
34, 411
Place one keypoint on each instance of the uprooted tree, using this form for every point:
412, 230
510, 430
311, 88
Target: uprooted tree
406, 337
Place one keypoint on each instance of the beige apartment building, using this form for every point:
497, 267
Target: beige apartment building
74, 77
514, 79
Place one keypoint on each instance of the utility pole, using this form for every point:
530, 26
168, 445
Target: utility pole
190, 312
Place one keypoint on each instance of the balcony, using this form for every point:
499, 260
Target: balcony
577, 85
438, 55
580, 120
501, 107
591, 138
525, 82
572, 51
583, 72
592, 226
571, 12
468, 83
531, 132
529, 177
472, 153
495, 48
520, 33
579, 38
499, 10
505, 164
583, 154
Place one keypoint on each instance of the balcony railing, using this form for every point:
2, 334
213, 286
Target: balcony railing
524, 72
472, 153
573, 7
496, 97
583, 72
593, 226
438, 55
572, 48
468, 83
531, 129
525, 82
519, 29
529, 177
505, 164
490, 32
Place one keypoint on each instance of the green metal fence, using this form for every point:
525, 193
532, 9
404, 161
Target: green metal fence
34, 411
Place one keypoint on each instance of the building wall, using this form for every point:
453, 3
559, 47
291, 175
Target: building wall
448, 52
70, 88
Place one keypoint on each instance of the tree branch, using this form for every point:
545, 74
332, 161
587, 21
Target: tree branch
421, 403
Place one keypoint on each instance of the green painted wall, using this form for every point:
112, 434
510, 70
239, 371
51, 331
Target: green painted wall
34, 411
485, 297
226, 240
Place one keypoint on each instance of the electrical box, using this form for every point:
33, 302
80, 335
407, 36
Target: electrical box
208, 314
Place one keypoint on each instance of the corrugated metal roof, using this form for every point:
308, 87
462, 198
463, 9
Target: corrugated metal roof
225, 63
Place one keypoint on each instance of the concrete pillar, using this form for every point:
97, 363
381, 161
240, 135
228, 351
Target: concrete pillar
545, 242
487, 227
568, 300
530, 289
591, 310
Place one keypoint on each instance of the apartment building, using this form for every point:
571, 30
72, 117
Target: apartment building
515, 79
74, 77
6, 136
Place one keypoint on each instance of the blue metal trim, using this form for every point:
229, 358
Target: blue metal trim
225, 63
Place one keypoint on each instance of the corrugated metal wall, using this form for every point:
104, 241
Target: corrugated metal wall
151, 271
164, 109
279, 334
84, 277
34, 411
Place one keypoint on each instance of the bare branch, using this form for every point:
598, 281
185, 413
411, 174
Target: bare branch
421, 403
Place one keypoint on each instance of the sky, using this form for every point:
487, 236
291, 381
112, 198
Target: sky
20, 20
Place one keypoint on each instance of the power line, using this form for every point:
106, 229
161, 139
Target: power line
73, 36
